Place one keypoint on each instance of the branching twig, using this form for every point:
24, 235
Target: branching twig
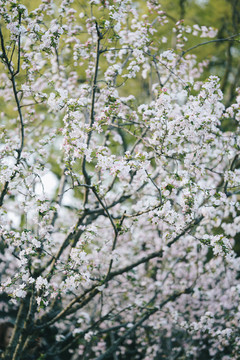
94, 88
90, 293
12, 78
147, 314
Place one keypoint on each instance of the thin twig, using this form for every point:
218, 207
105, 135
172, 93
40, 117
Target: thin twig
147, 314
94, 88
83, 299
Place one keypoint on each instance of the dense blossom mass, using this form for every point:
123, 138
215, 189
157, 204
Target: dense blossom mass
119, 201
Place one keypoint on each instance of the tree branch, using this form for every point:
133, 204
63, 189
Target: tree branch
147, 314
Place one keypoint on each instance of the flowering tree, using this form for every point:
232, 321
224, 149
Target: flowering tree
119, 189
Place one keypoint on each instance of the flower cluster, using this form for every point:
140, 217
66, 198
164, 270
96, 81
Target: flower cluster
119, 186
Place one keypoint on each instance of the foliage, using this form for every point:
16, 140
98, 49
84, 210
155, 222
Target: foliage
119, 199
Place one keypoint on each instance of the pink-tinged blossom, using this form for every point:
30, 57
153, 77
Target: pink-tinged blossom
142, 220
